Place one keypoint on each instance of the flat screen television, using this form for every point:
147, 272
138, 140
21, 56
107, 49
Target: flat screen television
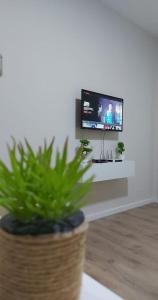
101, 112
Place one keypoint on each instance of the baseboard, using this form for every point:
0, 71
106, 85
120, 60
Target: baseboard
98, 211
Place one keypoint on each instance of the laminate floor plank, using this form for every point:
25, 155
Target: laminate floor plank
122, 253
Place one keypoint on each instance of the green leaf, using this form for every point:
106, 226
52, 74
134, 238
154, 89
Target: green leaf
33, 187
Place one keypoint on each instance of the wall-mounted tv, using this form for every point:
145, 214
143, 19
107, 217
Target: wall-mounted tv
100, 111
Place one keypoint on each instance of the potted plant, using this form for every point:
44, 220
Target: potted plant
42, 238
120, 149
86, 148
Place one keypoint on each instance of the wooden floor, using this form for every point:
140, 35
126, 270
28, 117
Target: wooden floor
122, 253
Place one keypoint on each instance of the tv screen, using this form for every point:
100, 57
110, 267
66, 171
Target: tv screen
100, 111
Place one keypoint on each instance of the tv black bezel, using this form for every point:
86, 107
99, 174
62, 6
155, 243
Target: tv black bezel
103, 95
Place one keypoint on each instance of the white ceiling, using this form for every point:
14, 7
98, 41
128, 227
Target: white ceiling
143, 13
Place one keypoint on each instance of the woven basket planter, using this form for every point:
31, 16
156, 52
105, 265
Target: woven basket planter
44, 267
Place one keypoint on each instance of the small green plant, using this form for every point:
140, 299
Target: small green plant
86, 149
120, 148
32, 188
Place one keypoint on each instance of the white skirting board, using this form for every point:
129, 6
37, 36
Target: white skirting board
100, 210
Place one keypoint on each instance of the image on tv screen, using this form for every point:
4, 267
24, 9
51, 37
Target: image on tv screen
101, 112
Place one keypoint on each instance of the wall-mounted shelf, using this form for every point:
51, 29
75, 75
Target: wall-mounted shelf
111, 170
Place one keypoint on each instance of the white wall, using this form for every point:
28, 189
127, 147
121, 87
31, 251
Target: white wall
51, 50
155, 131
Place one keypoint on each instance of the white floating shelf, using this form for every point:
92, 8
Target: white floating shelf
111, 170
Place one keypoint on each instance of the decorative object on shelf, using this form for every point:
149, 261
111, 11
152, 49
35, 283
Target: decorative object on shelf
42, 239
86, 148
1, 65
120, 149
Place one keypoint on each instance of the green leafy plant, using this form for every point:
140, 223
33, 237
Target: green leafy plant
86, 149
33, 188
120, 148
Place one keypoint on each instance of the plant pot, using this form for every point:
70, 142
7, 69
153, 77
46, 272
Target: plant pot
42, 267
121, 157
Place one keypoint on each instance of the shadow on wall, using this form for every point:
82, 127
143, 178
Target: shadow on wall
104, 190
90, 134
108, 190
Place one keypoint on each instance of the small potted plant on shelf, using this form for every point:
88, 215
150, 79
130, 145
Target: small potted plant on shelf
86, 149
42, 238
120, 149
